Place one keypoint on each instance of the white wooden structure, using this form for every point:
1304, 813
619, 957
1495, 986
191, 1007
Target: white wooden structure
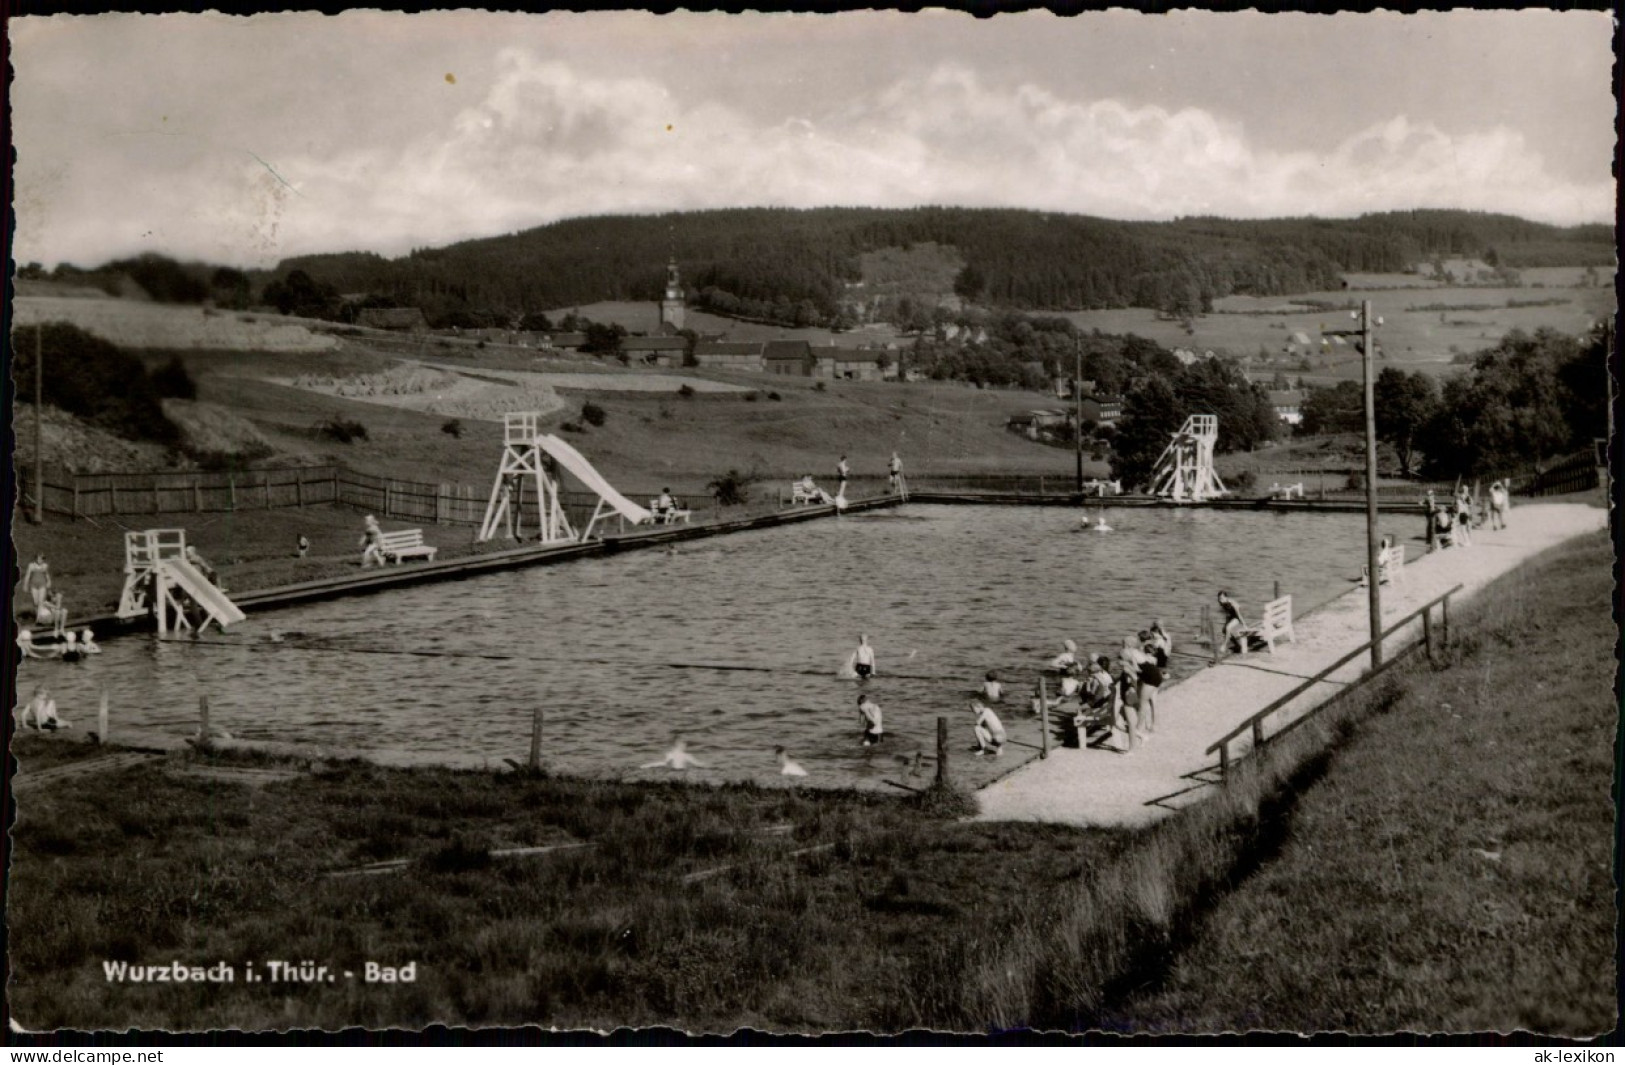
1185, 470
524, 462
1275, 623
159, 578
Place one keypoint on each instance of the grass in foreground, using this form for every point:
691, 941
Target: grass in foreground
687, 909
1452, 870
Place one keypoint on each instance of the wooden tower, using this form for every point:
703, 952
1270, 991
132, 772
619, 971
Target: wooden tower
1185, 471
524, 462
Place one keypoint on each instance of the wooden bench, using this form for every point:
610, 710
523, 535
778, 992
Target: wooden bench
404, 544
1275, 621
800, 495
667, 515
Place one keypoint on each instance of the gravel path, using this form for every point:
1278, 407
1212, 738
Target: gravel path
1172, 769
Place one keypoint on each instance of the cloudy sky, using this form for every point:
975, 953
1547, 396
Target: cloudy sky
245, 140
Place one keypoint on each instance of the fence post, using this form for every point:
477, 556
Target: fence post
536, 737
231, 488
101, 719
197, 494
266, 484
1258, 735
942, 751
1277, 594
335, 485
1444, 623
203, 739
155, 508
1224, 761
1043, 717
76, 497
388, 486
299, 486
1427, 630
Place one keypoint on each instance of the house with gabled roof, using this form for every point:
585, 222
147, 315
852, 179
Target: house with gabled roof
730, 355
655, 351
850, 364
793, 358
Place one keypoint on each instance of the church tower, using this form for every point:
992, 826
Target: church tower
671, 305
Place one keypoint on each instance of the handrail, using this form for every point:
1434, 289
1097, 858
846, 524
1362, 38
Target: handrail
1256, 720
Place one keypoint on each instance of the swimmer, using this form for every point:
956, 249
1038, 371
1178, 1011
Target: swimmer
676, 758
30, 649
788, 767
1067, 658
863, 659
1083, 522
992, 690
870, 718
989, 729
71, 651
1100, 524
41, 712
87, 642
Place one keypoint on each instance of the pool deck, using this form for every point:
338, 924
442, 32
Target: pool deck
1172, 769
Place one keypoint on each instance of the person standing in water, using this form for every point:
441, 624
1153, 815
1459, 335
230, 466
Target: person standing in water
676, 758
874, 729
863, 659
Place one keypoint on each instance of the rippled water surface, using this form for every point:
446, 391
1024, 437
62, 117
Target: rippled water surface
735, 641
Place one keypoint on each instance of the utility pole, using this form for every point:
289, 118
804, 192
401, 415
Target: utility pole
39, 424
1374, 581
1077, 410
1368, 346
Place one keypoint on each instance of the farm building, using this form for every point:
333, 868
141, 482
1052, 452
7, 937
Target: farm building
563, 341
850, 364
399, 319
730, 355
1288, 406
792, 357
655, 351
1037, 424
1102, 410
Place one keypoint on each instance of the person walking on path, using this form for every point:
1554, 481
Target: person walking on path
37, 579
1500, 503
1464, 517
1129, 660
372, 543
1150, 679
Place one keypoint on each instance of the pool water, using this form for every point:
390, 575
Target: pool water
734, 642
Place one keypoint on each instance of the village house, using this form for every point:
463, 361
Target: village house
655, 351
730, 355
1037, 424
1102, 410
1288, 406
790, 357
850, 364
564, 341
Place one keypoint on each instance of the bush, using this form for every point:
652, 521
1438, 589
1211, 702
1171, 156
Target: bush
172, 381
573, 427
1244, 480
343, 430
818, 387
774, 396
686, 391
752, 397
665, 413
593, 414
1356, 481
89, 377
452, 427
731, 488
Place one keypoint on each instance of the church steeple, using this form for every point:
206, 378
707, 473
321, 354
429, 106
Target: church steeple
671, 305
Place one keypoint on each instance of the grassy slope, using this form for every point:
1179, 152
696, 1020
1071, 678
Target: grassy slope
1452, 869
873, 930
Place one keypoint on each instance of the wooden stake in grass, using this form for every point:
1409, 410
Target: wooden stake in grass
101, 719
203, 738
1043, 717
536, 738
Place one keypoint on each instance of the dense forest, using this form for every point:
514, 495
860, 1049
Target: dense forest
796, 266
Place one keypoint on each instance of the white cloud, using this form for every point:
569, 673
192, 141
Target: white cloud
549, 140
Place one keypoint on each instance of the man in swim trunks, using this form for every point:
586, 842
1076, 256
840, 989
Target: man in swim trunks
1233, 623
863, 659
989, 730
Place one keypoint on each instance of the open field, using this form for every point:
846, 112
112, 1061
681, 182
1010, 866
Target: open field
1417, 333
134, 324
1404, 891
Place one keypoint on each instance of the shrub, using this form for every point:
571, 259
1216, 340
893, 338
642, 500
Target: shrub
1356, 481
87, 376
686, 391
774, 396
593, 414
172, 381
343, 430
752, 397
819, 387
220, 461
573, 427
731, 488
665, 413
1244, 480
452, 427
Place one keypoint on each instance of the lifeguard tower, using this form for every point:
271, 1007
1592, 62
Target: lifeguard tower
1184, 472
159, 578
532, 457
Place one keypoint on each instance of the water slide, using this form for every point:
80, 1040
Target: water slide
206, 595
583, 471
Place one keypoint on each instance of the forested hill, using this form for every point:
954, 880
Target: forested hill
798, 264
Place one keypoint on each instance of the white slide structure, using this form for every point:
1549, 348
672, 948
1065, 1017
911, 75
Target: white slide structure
578, 466
184, 575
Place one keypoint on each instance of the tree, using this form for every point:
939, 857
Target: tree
1152, 413
1405, 404
89, 377
536, 322
1340, 409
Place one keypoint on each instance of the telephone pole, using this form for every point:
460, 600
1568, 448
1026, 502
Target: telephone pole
1077, 410
1368, 348
39, 423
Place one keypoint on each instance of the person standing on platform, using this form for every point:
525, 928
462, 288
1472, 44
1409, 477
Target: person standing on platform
1500, 503
37, 580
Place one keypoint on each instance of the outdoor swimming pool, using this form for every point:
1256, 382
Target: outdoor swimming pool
735, 641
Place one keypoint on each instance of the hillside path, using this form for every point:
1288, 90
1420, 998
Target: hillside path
1172, 769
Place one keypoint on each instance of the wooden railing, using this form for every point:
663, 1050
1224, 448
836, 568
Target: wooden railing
1255, 723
